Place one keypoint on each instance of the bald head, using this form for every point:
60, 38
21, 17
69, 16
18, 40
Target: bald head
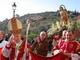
43, 35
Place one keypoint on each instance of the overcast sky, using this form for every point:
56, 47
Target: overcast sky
35, 6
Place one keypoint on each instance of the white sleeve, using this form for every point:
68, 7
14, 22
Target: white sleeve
6, 52
56, 52
75, 56
24, 56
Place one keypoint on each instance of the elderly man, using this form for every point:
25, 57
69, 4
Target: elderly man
15, 49
69, 47
40, 46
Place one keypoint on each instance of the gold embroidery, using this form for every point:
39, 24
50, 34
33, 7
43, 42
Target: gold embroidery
78, 47
18, 47
20, 58
14, 56
72, 52
64, 43
66, 59
79, 52
29, 50
64, 51
71, 45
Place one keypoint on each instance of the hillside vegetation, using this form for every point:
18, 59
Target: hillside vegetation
39, 21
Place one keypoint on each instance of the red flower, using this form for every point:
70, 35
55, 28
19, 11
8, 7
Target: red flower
56, 38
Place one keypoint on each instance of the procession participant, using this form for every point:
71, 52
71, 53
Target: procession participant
63, 15
69, 46
55, 39
17, 48
63, 35
6, 37
2, 43
40, 46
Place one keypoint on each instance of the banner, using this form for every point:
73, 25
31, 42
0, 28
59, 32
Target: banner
1, 56
56, 57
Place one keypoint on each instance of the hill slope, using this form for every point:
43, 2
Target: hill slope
39, 21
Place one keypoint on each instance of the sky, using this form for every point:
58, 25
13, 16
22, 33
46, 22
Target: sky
35, 6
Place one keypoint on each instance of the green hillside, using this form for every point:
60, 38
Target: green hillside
39, 21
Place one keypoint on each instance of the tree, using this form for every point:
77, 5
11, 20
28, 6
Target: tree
42, 28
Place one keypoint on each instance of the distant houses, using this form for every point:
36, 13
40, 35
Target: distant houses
36, 17
77, 18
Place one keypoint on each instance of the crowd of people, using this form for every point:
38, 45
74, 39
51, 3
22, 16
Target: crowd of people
69, 46
15, 49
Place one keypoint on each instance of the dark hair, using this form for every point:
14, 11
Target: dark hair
61, 7
23, 38
70, 31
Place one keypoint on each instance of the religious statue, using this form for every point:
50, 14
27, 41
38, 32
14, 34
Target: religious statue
63, 14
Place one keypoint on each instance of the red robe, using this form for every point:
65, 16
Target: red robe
2, 44
68, 47
64, 18
1, 56
10, 52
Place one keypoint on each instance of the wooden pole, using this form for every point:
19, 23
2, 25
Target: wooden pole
27, 30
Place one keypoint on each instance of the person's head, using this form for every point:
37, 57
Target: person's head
61, 8
69, 35
17, 38
1, 35
43, 35
63, 34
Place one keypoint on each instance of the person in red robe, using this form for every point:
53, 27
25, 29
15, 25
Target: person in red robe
3, 42
63, 35
56, 39
15, 49
69, 46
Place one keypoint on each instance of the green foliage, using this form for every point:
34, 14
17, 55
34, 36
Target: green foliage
47, 17
32, 35
58, 26
78, 40
42, 28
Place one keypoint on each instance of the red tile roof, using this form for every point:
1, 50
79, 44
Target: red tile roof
77, 33
78, 17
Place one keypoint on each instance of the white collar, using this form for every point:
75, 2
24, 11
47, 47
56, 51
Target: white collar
18, 44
